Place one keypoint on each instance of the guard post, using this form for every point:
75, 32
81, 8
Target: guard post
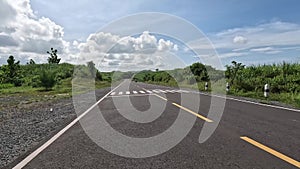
227, 87
206, 86
266, 90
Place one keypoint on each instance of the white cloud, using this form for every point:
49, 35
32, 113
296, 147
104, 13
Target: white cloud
141, 52
267, 50
240, 40
269, 34
267, 38
25, 35
232, 54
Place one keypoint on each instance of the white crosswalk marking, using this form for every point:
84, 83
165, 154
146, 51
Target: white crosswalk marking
155, 91
162, 91
149, 92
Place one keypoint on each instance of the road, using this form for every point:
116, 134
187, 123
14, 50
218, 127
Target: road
247, 136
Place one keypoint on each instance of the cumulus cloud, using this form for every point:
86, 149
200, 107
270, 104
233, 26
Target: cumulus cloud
7, 41
267, 38
268, 34
143, 51
25, 35
239, 40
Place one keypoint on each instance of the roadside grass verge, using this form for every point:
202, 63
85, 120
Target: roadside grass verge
291, 99
60, 90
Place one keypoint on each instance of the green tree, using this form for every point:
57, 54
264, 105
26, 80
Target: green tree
199, 70
47, 79
53, 56
13, 71
31, 62
13, 67
98, 76
232, 71
92, 68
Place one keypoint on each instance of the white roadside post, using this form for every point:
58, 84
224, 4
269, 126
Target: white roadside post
206, 86
227, 87
266, 90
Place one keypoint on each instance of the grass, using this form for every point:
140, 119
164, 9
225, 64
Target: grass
292, 99
63, 89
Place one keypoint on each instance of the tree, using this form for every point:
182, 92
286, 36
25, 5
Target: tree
13, 71
98, 76
47, 79
231, 72
13, 67
31, 62
53, 56
92, 68
199, 70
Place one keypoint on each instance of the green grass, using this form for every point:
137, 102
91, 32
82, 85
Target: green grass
63, 89
292, 99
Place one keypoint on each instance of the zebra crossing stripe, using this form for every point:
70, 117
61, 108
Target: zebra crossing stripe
162, 91
155, 91
149, 91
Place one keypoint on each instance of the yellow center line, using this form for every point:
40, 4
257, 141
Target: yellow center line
271, 151
196, 114
186, 109
160, 97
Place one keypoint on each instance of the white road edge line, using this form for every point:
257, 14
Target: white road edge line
246, 101
31, 156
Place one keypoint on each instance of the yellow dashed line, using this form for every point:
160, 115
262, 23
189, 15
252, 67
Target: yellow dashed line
271, 151
196, 114
186, 109
160, 97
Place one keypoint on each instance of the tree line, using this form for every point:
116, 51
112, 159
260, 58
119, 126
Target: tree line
282, 78
43, 75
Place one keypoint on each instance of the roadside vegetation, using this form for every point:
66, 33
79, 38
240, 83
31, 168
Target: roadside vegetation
48, 78
284, 80
55, 78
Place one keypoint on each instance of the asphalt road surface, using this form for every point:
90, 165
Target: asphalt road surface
249, 135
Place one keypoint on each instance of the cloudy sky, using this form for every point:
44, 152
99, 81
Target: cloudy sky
251, 32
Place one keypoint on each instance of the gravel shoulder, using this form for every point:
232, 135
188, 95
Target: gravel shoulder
26, 122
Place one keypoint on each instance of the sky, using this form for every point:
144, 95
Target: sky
250, 31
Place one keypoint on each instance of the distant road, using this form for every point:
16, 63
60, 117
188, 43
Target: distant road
248, 135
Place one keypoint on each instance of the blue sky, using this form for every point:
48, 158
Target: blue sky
210, 16
251, 32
